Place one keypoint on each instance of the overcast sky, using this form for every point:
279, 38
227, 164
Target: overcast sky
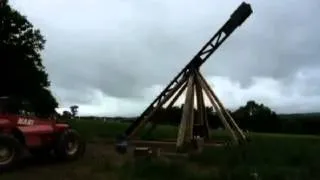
112, 57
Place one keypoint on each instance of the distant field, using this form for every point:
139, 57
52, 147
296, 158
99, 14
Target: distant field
95, 128
269, 156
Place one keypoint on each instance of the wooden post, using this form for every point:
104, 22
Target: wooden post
202, 116
187, 115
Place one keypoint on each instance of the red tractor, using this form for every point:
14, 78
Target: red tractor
39, 136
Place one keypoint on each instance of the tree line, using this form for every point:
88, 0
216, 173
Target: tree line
252, 117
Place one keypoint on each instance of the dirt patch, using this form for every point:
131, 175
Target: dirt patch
98, 162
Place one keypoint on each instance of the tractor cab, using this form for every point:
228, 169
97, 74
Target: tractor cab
17, 112
3, 105
9, 106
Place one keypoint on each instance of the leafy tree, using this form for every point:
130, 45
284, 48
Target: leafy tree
74, 110
22, 74
66, 114
257, 117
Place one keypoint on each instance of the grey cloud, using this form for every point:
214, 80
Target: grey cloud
278, 40
122, 47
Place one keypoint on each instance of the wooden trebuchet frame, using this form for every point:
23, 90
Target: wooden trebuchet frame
191, 80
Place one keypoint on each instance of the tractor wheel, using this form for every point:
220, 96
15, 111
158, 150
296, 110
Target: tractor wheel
10, 152
69, 145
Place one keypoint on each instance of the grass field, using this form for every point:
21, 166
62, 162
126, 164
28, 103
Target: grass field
267, 156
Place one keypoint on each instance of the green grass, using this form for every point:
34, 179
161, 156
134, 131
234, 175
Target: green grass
270, 156
92, 129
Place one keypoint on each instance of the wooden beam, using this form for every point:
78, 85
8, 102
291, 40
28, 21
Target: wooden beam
175, 98
187, 115
177, 95
233, 123
220, 114
165, 99
202, 116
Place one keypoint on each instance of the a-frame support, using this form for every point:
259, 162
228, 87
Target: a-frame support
191, 127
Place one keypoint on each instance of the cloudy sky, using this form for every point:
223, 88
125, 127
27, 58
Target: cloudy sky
112, 57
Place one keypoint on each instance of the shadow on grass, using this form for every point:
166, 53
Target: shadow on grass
265, 158
31, 162
159, 169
